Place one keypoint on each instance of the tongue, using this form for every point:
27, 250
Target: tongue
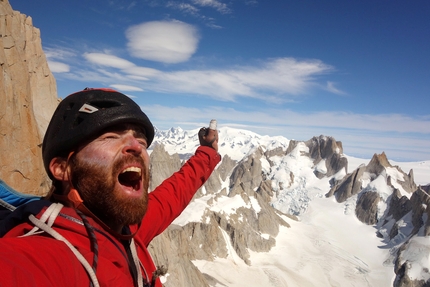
129, 178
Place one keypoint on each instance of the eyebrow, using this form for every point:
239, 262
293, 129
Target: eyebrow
138, 131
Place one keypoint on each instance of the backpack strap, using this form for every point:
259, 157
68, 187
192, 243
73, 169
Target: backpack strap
45, 223
9, 219
16, 207
10, 198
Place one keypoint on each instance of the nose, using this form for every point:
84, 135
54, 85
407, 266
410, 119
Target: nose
131, 145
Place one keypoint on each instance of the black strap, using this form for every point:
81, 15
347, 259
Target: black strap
132, 267
10, 219
93, 240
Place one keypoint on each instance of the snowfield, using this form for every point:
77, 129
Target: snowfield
327, 246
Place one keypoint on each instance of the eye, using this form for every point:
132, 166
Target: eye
143, 142
108, 136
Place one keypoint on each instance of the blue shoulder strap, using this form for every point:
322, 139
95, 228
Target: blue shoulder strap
10, 197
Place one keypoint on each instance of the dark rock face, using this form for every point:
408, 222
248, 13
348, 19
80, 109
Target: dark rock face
378, 163
399, 205
205, 240
327, 149
162, 165
330, 150
348, 186
367, 207
405, 219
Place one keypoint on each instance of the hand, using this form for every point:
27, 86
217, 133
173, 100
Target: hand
208, 137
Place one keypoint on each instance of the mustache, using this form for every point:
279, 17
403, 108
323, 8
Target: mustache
119, 164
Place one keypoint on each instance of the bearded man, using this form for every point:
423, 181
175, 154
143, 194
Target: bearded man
94, 227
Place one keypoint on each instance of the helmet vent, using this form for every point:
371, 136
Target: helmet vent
77, 121
105, 104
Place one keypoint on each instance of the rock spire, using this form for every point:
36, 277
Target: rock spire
28, 97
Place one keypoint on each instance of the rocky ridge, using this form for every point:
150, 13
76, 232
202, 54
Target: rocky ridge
250, 228
382, 195
399, 210
28, 97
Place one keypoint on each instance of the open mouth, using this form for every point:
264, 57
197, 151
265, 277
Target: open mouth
131, 177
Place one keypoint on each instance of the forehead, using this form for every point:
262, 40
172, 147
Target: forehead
138, 130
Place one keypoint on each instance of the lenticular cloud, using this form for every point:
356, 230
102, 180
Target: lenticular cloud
163, 41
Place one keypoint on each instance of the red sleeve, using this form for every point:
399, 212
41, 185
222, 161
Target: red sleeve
173, 195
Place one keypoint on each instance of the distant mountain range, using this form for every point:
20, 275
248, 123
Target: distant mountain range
279, 212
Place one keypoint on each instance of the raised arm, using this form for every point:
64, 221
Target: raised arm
173, 195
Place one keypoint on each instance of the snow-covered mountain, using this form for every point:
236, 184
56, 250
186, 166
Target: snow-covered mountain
235, 143
279, 212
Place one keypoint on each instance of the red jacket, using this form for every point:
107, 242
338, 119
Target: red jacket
40, 260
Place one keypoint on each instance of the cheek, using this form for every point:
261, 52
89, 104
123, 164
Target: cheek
145, 157
95, 157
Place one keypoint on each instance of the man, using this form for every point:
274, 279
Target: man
95, 152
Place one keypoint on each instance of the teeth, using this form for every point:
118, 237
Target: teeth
133, 169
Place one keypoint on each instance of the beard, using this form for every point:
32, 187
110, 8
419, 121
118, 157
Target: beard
96, 186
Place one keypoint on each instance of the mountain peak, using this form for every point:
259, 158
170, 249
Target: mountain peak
378, 163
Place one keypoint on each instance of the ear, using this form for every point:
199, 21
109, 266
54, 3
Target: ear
58, 168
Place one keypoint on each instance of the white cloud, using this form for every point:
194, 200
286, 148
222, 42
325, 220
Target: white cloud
108, 60
57, 58
126, 88
57, 67
273, 81
163, 41
276, 80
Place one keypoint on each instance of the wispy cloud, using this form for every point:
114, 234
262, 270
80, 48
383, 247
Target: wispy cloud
286, 118
217, 5
184, 7
126, 88
59, 53
274, 80
196, 9
331, 88
57, 58
108, 60
358, 132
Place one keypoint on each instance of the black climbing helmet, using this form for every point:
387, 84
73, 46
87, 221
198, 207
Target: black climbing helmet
84, 115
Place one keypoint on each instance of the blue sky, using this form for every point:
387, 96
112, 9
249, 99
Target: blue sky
355, 70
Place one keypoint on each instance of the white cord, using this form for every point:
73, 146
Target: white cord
137, 264
43, 226
7, 205
50, 215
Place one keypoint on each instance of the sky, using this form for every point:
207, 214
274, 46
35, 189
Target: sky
355, 70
